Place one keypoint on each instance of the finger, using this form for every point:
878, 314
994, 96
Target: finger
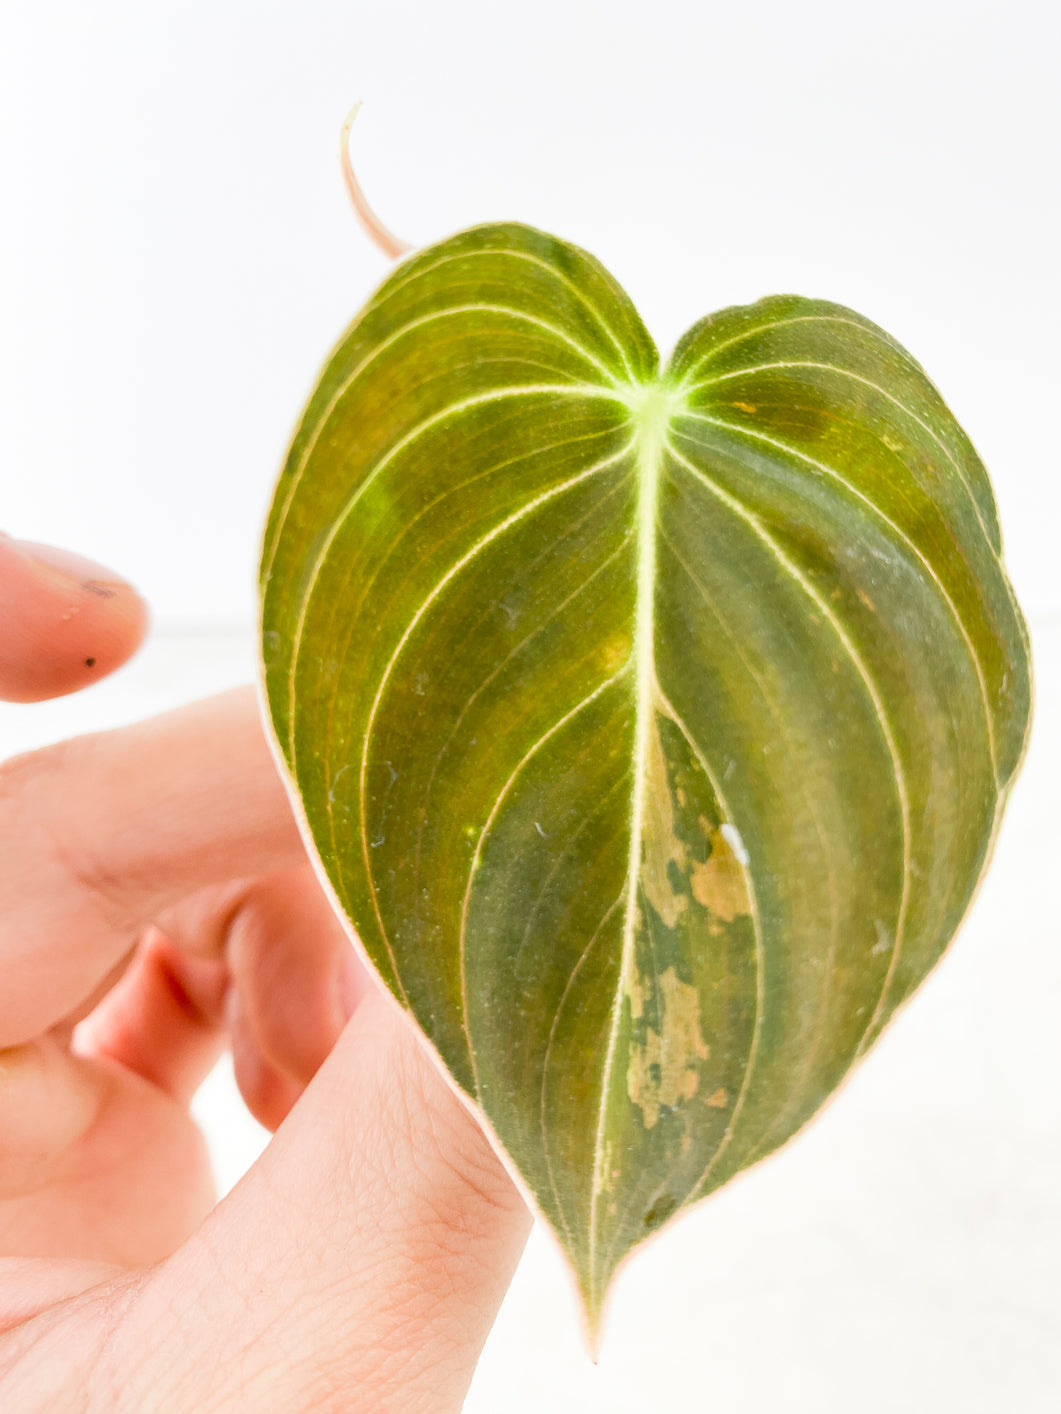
377, 1232
295, 983
100, 835
95, 1164
289, 957
165, 1019
294, 972
268, 959
268, 1093
47, 1102
64, 621
82, 1135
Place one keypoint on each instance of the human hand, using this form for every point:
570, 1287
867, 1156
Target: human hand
155, 900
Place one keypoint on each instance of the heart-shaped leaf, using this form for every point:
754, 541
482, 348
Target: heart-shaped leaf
652, 727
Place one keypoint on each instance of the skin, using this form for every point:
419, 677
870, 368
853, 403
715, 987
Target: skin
156, 905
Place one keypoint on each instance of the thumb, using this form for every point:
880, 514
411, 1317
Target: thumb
359, 1264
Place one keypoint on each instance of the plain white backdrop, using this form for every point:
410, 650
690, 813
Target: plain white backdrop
176, 259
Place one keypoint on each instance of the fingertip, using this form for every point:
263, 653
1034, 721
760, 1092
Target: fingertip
65, 621
268, 1093
294, 970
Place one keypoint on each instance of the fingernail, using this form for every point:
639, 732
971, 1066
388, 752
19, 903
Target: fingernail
87, 574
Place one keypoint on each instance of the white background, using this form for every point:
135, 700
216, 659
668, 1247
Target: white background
176, 259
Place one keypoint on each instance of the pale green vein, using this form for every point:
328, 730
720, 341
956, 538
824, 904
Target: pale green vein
561, 858
757, 926
862, 328
488, 680
493, 675
826, 855
896, 402
528, 755
412, 436
455, 569
365, 590
895, 530
414, 326
558, 275
652, 416
569, 986
792, 569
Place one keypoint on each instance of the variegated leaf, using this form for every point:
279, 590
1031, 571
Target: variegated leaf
652, 726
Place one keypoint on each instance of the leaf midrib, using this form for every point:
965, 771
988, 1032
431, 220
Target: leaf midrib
652, 407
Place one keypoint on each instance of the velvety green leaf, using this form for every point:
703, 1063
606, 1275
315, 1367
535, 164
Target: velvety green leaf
652, 727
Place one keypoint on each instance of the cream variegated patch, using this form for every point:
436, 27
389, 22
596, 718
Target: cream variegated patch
665, 857
720, 884
665, 1068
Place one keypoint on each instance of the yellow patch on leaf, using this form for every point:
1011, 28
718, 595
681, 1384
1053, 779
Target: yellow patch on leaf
666, 1069
719, 884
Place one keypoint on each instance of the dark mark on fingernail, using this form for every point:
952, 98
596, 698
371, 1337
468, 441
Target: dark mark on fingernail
94, 587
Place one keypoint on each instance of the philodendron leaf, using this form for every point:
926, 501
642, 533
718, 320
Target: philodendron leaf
652, 725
